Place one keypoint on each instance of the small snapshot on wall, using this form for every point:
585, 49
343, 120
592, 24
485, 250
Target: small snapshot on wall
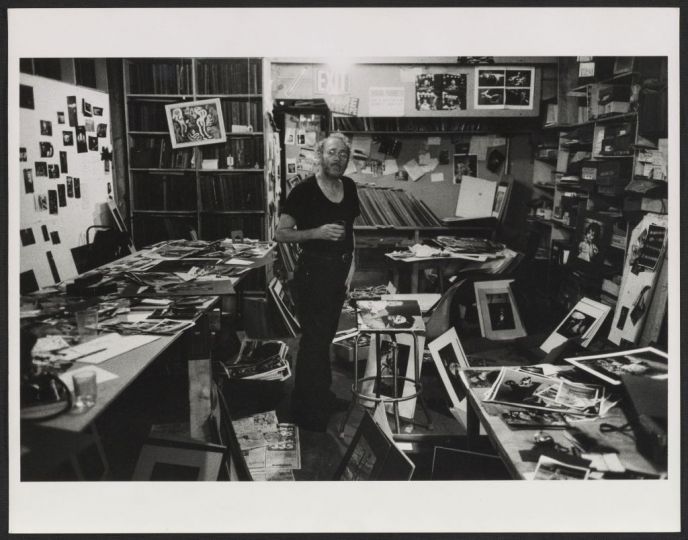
26, 96
68, 138
46, 128
504, 88
53, 171
28, 181
195, 123
60, 117
440, 92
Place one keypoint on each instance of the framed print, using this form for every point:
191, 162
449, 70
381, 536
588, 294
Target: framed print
175, 460
582, 322
504, 88
195, 123
592, 240
449, 358
497, 312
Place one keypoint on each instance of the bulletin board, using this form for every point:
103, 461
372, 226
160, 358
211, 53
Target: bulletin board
64, 182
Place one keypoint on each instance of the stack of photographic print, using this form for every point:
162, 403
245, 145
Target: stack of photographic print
610, 367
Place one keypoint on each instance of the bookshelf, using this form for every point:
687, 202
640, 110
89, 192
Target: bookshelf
208, 191
599, 127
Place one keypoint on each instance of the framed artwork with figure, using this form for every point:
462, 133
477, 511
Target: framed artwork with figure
195, 123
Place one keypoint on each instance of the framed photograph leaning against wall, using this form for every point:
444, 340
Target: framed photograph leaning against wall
497, 312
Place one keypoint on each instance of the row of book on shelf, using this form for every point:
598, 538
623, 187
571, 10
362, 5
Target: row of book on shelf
420, 125
157, 152
232, 192
160, 77
240, 76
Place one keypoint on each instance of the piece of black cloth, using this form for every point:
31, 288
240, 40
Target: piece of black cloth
309, 207
320, 290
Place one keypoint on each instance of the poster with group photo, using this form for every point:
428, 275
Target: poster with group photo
441, 92
504, 88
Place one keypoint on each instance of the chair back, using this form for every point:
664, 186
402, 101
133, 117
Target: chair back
440, 319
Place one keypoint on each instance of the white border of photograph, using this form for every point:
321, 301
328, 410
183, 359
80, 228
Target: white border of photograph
482, 289
450, 337
575, 361
206, 459
594, 309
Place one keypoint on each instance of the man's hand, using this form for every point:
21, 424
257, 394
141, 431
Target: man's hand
330, 231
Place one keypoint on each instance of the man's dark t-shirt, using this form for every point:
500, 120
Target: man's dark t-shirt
309, 207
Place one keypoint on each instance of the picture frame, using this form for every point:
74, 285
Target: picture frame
611, 367
285, 306
497, 310
195, 123
591, 241
449, 358
582, 322
177, 460
372, 455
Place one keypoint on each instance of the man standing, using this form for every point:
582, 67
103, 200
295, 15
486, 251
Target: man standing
319, 214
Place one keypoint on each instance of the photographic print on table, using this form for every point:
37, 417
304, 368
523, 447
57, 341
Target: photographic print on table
497, 311
534, 419
522, 389
28, 181
26, 96
402, 315
68, 138
645, 361
46, 149
195, 123
550, 469
465, 164
449, 359
63, 161
71, 111
81, 146
41, 168
592, 240
46, 127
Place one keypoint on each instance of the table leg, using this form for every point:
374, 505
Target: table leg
395, 404
417, 359
200, 379
472, 427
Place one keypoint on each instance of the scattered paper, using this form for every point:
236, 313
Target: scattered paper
391, 166
113, 345
101, 375
437, 177
238, 262
414, 170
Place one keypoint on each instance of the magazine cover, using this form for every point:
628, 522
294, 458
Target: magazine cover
390, 315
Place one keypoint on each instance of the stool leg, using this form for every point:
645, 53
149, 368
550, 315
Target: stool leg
395, 378
354, 390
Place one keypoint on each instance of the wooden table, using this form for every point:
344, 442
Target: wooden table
510, 442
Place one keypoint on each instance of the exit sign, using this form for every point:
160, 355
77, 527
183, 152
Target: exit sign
332, 82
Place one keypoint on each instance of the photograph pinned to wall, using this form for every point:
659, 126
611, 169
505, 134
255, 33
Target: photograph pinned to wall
648, 249
46, 127
41, 202
453, 92
53, 267
61, 195
93, 143
53, 171
97, 111
26, 96
22, 153
592, 240
465, 164
63, 161
41, 168
504, 88
52, 201
55, 237
497, 310
70, 187
46, 149
195, 123
102, 130
401, 175
67, 138
71, 111
106, 157
86, 108
77, 188
46, 235
81, 146
28, 181
27, 237
426, 93
89, 125
60, 117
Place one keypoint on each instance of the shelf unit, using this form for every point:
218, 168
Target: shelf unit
590, 136
173, 193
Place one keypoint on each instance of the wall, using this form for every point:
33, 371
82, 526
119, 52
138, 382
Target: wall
72, 219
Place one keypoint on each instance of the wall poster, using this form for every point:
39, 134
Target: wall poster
504, 88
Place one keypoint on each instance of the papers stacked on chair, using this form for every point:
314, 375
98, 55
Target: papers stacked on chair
259, 359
